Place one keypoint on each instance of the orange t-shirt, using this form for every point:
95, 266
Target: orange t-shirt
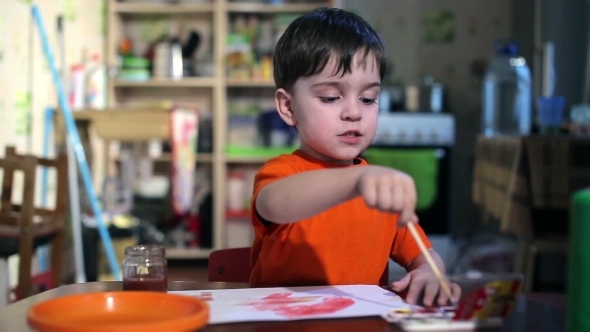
346, 244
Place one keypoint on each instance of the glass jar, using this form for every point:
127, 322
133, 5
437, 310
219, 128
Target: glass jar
145, 268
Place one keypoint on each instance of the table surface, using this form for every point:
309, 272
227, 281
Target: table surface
533, 312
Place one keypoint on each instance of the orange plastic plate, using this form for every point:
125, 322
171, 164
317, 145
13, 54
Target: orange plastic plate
128, 311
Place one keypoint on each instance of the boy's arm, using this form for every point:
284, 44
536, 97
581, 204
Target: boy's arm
306, 194
303, 195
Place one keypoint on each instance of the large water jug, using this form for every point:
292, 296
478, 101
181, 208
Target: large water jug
507, 95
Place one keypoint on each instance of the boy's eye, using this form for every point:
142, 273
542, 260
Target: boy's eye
329, 100
368, 101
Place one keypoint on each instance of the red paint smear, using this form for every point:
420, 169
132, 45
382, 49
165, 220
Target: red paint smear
327, 306
284, 305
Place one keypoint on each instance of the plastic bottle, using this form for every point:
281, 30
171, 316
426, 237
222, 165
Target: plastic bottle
507, 93
578, 286
96, 84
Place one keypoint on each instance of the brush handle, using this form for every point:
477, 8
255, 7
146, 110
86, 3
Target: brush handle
431, 263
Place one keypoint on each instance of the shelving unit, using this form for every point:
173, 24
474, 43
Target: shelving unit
197, 82
262, 8
211, 93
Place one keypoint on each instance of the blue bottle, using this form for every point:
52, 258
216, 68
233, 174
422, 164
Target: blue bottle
507, 93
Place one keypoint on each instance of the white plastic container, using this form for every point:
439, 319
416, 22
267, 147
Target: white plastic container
507, 94
96, 84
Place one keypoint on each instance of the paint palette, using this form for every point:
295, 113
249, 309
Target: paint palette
486, 306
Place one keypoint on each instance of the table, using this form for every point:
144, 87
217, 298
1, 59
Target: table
533, 312
525, 183
517, 176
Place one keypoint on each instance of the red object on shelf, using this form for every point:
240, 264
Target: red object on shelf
194, 227
244, 214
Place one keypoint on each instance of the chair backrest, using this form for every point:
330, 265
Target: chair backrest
60, 164
23, 226
18, 216
233, 265
230, 265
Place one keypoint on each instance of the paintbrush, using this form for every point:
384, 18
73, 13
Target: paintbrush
443, 283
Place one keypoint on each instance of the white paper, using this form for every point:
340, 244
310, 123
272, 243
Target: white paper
296, 303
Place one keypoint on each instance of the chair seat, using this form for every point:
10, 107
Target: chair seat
42, 226
9, 246
43, 233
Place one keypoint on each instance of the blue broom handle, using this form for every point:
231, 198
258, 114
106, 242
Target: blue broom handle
78, 148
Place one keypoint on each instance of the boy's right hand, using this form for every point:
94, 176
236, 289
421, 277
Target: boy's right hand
389, 190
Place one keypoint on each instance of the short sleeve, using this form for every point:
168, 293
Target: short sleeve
273, 170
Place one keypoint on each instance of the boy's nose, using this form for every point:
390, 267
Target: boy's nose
352, 111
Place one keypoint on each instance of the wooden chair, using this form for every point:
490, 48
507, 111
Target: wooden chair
233, 265
24, 227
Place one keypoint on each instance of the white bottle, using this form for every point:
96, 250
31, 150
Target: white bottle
96, 81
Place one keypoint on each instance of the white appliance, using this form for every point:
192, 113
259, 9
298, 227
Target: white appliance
415, 129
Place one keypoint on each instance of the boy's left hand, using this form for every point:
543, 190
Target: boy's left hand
422, 278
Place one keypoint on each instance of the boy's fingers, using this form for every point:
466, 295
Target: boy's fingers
408, 213
397, 203
369, 193
442, 297
415, 288
430, 292
411, 195
401, 284
456, 291
404, 219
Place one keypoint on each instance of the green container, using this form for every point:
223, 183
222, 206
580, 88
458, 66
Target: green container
578, 287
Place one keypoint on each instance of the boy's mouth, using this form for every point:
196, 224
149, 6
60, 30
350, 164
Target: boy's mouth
351, 134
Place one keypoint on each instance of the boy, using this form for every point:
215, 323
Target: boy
322, 215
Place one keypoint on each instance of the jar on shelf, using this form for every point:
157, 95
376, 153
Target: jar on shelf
145, 268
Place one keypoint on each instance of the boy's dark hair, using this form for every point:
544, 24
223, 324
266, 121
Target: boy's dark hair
306, 46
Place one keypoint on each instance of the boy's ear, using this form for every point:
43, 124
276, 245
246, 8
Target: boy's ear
283, 103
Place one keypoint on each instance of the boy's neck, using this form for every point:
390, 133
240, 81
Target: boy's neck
355, 161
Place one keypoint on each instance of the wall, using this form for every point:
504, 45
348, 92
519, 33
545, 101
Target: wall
449, 58
27, 87
26, 84
23, 64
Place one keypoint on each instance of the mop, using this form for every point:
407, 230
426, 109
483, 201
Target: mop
74, 138
72, 175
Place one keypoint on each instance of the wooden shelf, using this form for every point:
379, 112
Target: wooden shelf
162, 8
235, 7
187, 253
246, 159
196, 82
167, 157
250, 84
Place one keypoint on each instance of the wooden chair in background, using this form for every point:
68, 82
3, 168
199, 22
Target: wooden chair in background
24, 227
233, 265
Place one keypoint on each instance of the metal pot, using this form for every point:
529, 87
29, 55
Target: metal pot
428, 97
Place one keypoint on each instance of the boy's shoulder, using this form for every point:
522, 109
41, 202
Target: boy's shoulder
293, 159
291, 163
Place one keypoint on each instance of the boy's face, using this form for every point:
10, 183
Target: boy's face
336, 117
